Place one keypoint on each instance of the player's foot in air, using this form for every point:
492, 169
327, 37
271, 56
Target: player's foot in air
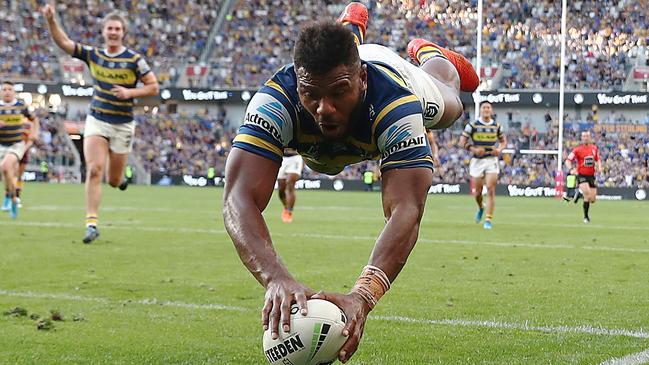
478, 215
287, 216
586, 220
487, 225
123, 185
13, 212
92, 233
469, 79
355, 13
6, 204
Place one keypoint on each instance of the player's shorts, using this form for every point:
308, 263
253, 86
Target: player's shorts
18, 149
25, 159
119, 136
586, 179
418, 81
291, 165
481, 166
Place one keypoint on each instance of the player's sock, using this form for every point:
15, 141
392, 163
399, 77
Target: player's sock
91, 220
586, 207
355, 16
19, 188
421, 50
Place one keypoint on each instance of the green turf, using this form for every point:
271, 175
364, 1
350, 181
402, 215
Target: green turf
539, 266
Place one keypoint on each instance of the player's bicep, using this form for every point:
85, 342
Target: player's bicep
250, 176
267, 127
404, 144
149, 79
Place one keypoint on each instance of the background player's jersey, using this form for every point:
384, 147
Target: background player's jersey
13, 116
387, 125
483, 134
586, 155
124, 69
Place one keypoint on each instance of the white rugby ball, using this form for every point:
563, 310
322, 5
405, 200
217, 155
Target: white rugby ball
314, 339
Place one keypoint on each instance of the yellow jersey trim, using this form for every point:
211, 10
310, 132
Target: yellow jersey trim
258, 142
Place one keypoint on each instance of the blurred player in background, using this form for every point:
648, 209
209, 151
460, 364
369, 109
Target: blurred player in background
12, 145
487, 143
109, 127
586, 156
31, 131
340, 104
289, 173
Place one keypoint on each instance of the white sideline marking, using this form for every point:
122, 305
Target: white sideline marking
632, 359
584, 329
77, 298
337, 237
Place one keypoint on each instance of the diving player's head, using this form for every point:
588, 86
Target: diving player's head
113, 30
486, 111
331, 81
7, 91
586, 137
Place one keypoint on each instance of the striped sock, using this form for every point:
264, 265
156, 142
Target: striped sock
91, 220
427, 52
359, 35
489, 217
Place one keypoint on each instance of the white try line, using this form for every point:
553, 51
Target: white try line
340, 237
583, 329
632, 359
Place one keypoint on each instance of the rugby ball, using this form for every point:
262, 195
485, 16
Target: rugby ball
314, 339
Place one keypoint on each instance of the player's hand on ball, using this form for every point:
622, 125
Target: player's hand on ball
356, 310
280, 294
121, 92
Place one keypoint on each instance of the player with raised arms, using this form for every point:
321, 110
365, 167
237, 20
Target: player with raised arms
109, 128
339, 104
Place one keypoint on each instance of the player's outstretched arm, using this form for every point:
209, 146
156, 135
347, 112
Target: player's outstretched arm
60, 38
250, 180
404, 198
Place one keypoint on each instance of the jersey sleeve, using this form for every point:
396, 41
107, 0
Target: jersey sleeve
500, 131
468, 130
142, 67
27, 112
82, 52
268, 125
572, 156
401, 136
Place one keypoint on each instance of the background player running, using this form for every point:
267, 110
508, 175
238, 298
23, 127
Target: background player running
289, 173
109, 126
487, 142
12, 145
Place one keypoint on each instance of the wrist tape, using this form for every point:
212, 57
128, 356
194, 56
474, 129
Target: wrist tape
371, 285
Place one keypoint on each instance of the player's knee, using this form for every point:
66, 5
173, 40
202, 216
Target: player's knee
95, 171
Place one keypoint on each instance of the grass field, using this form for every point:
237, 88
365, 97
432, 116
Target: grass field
164, 285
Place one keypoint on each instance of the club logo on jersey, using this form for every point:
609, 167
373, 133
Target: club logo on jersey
419, 141
430, 111
589, 161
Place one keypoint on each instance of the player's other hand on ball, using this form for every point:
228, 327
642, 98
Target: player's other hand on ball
280, 294
121, 92
356, 310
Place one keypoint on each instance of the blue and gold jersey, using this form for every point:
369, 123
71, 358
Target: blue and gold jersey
124, 69
483, 134
387, 126
12, 116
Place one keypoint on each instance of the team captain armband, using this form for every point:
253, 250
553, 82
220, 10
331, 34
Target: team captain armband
372, 285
